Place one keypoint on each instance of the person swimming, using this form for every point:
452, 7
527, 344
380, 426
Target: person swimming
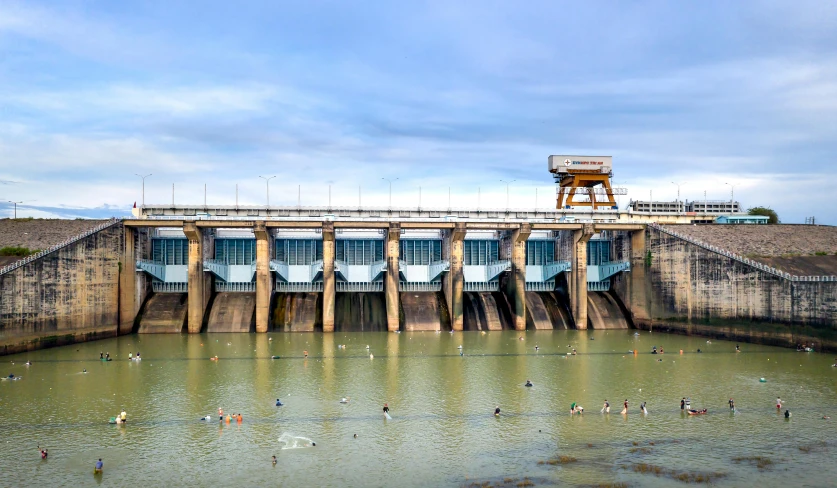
683, 403
344, 400
528, 383
355, 436
130, 356
101, 355
273, 461
737, 348
84, 371
208, 417
497, 411
123, 417
642, 408
386, 408
44, 454
787, 414
625, 406
606, 406
279, 403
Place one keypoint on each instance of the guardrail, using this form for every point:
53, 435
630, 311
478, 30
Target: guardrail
741, 259
61, 245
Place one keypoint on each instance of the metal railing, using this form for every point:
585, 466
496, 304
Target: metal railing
741, 259
163, 287
56, 247
419, 286
476, 286
290, 287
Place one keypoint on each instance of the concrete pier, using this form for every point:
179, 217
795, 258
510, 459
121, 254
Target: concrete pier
128, 306
197, 289
264, 285
453, 284
578, 287
328, 277
392, 277
518, 276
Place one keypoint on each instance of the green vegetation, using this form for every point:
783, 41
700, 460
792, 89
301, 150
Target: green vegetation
17, 251
772, 217
648, 259
820, 253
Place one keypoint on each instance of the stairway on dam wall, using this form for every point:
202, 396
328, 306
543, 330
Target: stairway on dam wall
298, 312
360, 312
486, 311
604, 312
164, 313
423, 311
232, 312
547, 310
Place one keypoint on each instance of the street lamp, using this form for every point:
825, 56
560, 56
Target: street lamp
267, 183
143, 186
16, 203
390, 189
678, 188
678, 193
732, 195
507, 182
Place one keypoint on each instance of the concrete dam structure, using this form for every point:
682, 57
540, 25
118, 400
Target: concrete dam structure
360, 272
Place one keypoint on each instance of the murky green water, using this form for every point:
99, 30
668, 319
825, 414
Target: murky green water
443, 431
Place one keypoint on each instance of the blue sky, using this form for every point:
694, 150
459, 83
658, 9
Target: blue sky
437, 94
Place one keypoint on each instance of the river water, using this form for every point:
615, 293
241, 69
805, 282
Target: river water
443, 431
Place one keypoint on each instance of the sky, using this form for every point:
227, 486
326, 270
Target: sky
453, 98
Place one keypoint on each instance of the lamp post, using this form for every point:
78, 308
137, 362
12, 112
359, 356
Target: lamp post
732, 195
267, 184
507, 182
16, 204
390, 190
143, 186
678, 193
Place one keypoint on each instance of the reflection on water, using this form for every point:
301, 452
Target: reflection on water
443, 431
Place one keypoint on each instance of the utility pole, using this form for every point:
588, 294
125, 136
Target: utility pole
172, 195
507, 182
204, 196
479, 197
358, 197
390, 190
143, 186
419, 207
267, 183
236, 196
298, 197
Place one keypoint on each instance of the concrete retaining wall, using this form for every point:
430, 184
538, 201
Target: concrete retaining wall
689, 289
67, 296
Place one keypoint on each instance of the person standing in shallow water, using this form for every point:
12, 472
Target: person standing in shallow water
731, 405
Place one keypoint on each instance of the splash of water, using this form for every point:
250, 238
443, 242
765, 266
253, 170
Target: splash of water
290, 441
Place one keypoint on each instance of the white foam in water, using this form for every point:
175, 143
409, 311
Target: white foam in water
290, 441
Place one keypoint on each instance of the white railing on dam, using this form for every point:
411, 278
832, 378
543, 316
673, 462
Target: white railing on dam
56, 247
741, 259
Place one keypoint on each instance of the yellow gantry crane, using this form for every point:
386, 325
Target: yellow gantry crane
584, 181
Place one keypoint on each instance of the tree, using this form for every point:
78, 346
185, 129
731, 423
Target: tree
772, 217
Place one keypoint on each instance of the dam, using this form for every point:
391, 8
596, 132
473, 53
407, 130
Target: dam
189, 270
687, 267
